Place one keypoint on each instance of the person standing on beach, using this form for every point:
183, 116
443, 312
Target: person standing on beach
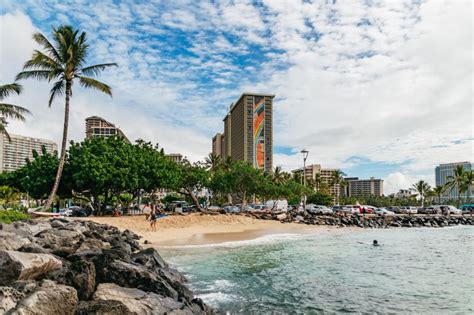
153, 220
147, 211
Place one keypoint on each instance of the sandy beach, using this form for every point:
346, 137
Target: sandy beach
198, 229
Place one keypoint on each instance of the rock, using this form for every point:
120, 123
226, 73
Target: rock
23, 266
102, 307
79, 275
146, 242
136, 301
9, 297
60, 242
281, 216
47, 298
12, 241
91, 243
32, 248
150, 258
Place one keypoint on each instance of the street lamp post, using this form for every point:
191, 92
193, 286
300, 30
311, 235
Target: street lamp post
305, 156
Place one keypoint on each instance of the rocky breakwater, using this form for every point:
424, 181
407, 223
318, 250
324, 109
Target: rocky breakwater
62, 266
368, 221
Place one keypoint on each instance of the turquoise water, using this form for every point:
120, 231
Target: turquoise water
415, 271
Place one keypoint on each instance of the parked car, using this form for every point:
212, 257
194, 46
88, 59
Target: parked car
76, 211
429, 210
296, 208
394, 209
315, 209
231, 209
214, 208
447, 209
258, 207
384, 211
408, 210
467, 208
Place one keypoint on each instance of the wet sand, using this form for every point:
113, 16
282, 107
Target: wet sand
199, 229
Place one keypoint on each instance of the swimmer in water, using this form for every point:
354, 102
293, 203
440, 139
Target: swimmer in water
375, 243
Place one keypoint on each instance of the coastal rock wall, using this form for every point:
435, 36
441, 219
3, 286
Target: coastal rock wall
369, 221
62, 266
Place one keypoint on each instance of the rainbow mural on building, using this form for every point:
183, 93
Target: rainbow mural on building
259, 132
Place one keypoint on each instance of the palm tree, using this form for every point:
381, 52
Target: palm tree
468, 183
279, 176
63, 62
457, 181
337, 179
423, 188
438, 191
9, 110
213, 162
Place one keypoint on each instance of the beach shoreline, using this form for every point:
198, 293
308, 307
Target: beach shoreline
204, 229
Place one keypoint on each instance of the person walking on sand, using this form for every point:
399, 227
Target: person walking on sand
147, 211
153, 220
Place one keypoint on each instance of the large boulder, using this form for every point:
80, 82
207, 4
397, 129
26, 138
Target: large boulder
61, 242
12, 241
9, 297
47, 297
136, 301
102, 307
23, 266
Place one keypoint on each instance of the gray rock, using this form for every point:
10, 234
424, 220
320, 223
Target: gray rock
9, 297
23, 266
12, 241
47, 298
90, 244
136, 301
59, 241
102, 307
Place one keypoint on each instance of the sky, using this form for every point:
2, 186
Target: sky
375, 88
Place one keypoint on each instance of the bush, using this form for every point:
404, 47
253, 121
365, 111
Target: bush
9, 216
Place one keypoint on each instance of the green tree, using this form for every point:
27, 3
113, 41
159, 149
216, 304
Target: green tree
468, 184
63, 62
438, 192
213, 162
337, 180
320, 198
10, 110
457, 181
423, 189
191, 179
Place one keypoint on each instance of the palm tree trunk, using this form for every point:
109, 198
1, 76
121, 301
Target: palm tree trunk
63, 148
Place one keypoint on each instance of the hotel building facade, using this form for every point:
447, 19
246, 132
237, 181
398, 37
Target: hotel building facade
442, 174
363, 187
248, 131
99, 127
13, 154
314, 170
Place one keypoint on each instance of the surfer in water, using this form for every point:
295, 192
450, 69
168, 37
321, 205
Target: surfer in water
376, 243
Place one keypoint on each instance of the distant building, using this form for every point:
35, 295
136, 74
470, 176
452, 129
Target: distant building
312, 171
99, 127
404, 193
176, 157
248, 133
13, 154
363, 187
442, 174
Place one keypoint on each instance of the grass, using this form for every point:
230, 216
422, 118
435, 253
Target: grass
9, 216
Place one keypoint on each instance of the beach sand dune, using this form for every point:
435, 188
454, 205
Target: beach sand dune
197, 229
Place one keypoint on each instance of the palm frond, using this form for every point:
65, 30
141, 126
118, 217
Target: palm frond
57, 90
13, 111
94, 84
43, 41
40, 61
7, 89
34, 74
96, 69
5, 132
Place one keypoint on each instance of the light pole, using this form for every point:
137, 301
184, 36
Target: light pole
305, 156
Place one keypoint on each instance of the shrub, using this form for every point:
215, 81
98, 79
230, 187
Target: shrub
9, 216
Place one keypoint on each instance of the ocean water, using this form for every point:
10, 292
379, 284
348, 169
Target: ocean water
419, 270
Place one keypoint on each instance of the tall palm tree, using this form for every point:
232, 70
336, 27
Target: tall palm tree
468, 184
10, 110
279, 176
213, 162
457, 181
337, 181
438, 192
423, 188
63, 61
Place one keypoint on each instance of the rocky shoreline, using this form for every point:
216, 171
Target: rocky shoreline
368, 221
62, 266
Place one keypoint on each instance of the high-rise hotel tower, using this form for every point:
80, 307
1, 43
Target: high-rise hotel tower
248, 131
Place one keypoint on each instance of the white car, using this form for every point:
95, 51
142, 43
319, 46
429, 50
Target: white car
383, 211
408, 210
315, 209
446, 209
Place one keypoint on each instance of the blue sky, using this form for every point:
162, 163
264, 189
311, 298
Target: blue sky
375, 88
